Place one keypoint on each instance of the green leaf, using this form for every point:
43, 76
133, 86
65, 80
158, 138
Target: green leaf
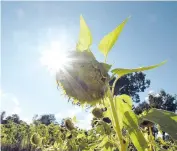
80, 135
104, 141
137, 138
123, 103
68, 134
121, 71
74, 119
85, 37
167, 121
109, 40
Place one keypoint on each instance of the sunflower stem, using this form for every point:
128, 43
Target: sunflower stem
122, 146
151, 140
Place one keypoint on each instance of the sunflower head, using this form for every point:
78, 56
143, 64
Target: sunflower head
36, 139
97, 112
83, 78
69, 124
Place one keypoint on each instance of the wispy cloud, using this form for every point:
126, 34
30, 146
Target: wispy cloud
146, 99
86, 122
157, 95
68, 113
151, 92
16, 101
27, 120
16, 110
10, 103
83, 118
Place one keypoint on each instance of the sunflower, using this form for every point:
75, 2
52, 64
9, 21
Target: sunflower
36, 139
83, 78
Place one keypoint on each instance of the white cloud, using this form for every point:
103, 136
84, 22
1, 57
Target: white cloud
157, 95
27, 120
83, 118
16, 110
58, 115
86, 122
15, 100
0, 92
10, 103
68, 113
146, 99
151, 92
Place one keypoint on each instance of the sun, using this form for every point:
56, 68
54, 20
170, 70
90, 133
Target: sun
54, 57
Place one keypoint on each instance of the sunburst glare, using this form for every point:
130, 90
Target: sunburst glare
54, 57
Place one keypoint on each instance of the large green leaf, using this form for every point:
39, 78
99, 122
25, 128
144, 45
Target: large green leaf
131, 124
104, 141
109, 40
123, 103
74, 119
167, 121
85, 37
121, 71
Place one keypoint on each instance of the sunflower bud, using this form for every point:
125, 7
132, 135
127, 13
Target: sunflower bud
97, 112
107, 120
147, 124
69, 125
83, 78
35, 139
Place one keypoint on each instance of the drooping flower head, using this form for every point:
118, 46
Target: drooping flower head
83, 78
36, 139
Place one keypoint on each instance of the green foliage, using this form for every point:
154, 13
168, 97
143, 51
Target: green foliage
131, 84
85, 37
123, 103
121, 71
109, 40
167, 120
132, 125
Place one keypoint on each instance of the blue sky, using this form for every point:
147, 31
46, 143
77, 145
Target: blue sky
31, 29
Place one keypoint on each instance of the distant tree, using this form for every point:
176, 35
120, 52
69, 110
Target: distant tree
141, 107
131, 84
46, 119
14, 118
35, 119
3, 114
161, 100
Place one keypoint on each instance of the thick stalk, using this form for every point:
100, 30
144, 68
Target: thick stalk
151, 140
115, 118
117, 127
